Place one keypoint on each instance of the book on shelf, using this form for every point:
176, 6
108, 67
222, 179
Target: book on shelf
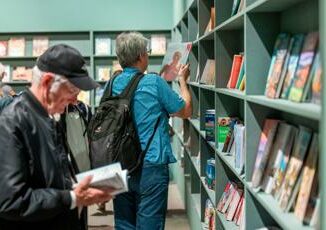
229, 197
237, 215
208, 76
223, 128
158, 44
239, 142
211, 22
209, 216
110, 176
241, 74
16, 47
242, 86
304, 66
40, 45
102, 46
7, 75
3, 48
98, 95
300, 148
264, 146
235, 7
279, 156
307, 92
281, 49
116, 66
292, 64
236, 198
313, 212
241, 6
176, 55
316, 81
224, 196
235, 70
84, 96
309, 171
197, 78
104, 73
21, 73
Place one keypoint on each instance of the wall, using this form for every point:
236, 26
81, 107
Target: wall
68, 15
179, 8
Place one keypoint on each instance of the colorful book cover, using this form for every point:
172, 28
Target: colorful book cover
296, 161
235, 70
16, 47
241, 73
84, 96
309, 171
304, 66
223, 128
104, 73
176, 55
208, 76
158, 44
7, 74
21, 73
292, 65
264, 146
307, 92
40, 45
317, 82
281, 149
3, 48
277, 63
224, 196
230, 213
239, 141
102, 46
242, 86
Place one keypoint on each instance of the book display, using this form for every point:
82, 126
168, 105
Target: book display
19, 51
265, 95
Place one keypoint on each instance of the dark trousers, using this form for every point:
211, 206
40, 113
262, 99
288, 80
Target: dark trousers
144, 206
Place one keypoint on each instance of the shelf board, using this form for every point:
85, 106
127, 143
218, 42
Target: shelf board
17, 83
7, 58
210, 192
272, 5
196, 166
208, 36
231, 92
307, 110
101, 82
230, 162
195, 123
193, 83
234, 23
208, 87
105, 56
229, 225
285, 220
179, 136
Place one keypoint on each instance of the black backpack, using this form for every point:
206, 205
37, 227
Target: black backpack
111, 131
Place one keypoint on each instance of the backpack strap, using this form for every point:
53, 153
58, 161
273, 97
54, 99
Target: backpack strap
128, 92
108, 91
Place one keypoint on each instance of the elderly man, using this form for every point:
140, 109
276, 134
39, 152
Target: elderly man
36, 173
144, 206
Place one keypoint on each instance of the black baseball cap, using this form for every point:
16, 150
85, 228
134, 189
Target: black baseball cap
67, 61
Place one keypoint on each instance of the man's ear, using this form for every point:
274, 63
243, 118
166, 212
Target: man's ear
46, 80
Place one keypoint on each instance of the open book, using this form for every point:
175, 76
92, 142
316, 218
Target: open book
107, 176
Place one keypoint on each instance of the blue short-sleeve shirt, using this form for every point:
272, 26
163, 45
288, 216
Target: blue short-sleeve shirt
153, 98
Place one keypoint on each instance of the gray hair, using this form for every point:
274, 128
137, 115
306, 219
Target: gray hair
129, 47
58, 79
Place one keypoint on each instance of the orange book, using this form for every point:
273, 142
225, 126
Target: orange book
236, 66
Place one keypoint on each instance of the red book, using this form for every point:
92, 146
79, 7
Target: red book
236, 66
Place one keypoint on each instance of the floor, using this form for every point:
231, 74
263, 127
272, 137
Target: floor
176, 216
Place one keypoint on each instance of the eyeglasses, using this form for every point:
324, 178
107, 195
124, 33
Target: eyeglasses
149, 51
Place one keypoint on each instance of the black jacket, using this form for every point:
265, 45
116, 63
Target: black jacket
35, 178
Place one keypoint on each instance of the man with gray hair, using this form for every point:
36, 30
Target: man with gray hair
36, 171
144, 206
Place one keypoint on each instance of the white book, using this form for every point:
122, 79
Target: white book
110, 176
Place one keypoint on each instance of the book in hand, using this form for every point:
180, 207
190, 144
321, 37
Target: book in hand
176, 56
110, 176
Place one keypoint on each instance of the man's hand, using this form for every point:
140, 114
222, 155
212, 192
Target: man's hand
86, 195
184, 73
